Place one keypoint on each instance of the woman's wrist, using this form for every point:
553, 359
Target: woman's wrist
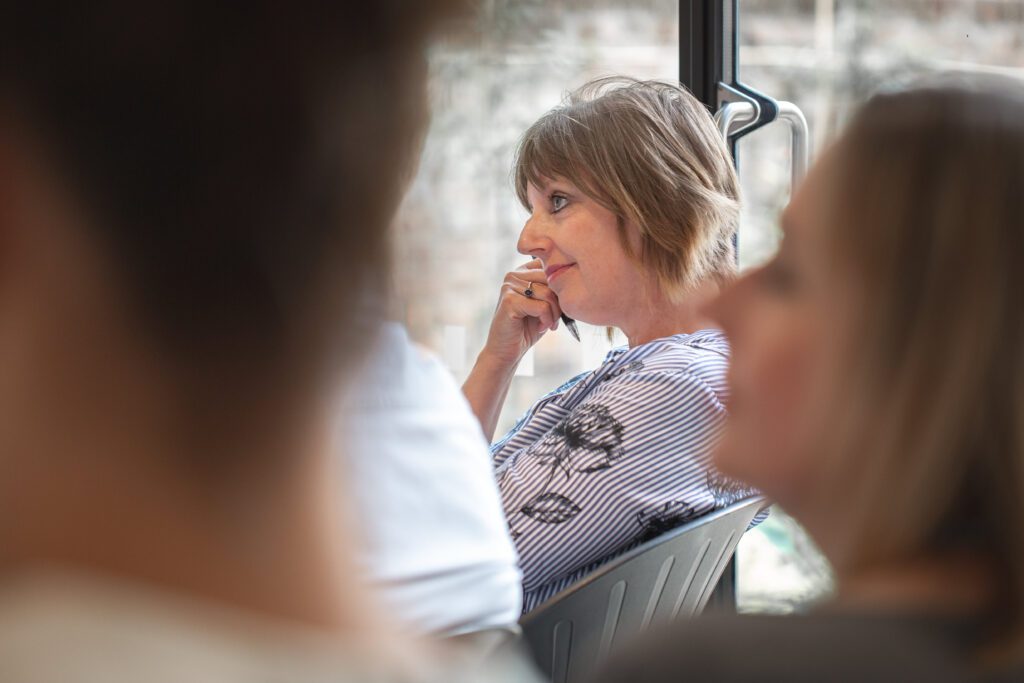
495, 365
486, 387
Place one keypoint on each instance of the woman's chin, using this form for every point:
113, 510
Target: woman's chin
584, 314
576, 313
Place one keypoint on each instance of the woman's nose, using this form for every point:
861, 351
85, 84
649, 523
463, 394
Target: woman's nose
533, 240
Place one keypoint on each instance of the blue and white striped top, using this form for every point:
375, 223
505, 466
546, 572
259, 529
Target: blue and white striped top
614, 457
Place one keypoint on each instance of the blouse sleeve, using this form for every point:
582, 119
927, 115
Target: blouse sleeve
625, 464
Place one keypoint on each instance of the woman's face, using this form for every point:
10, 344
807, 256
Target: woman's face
784, 321
577, 241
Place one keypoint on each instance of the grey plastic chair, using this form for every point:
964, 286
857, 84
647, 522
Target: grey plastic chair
666, 578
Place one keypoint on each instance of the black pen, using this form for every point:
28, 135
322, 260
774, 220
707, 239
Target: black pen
570, 324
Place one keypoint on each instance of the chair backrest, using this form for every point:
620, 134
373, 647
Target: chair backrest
484, 645
669, 577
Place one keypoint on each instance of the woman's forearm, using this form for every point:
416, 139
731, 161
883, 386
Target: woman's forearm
526, 309
486, 389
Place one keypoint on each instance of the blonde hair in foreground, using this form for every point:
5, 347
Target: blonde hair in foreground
928, 203
651, 153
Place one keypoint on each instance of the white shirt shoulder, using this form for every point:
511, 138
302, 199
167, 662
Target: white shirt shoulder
435, 537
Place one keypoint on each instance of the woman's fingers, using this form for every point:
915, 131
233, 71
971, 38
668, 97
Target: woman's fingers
530, 272
541, 292
532, 264
519, 306
521, 319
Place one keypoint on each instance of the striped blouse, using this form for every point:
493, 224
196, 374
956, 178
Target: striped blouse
614, 457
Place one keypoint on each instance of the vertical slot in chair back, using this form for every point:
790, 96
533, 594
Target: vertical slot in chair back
669, 577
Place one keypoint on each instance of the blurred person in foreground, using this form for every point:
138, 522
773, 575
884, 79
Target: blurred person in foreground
433, 538
193, 203
633, 204
878, 395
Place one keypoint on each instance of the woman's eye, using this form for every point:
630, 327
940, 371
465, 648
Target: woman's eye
558, 203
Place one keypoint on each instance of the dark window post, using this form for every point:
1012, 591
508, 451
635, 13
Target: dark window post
709, 68
709, 61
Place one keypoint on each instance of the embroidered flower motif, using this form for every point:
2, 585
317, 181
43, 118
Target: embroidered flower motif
551, 508
552, 450
594, 438
727, 491
588, 440
664, 518
632, 366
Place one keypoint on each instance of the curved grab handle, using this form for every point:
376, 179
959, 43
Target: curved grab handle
800, 139
765, 108
733, 116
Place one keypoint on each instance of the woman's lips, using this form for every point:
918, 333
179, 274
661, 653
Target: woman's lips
554, 271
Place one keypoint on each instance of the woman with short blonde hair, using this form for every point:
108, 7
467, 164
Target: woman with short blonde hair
648, 152
878, 386
633, 205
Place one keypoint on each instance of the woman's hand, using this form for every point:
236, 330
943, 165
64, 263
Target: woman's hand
521, 320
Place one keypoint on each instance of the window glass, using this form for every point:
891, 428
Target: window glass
827, 56
458, 227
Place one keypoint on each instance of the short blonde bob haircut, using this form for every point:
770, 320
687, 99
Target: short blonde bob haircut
649, 152
926, 455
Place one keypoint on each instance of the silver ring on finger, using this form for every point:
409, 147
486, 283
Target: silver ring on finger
528, 292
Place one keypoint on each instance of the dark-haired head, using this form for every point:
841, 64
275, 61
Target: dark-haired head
233, 168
